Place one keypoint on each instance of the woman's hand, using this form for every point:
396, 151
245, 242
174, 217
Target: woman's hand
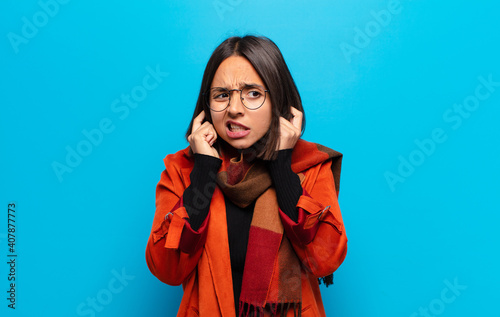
290, 130
203, 137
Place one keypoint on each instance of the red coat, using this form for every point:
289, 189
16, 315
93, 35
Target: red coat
200, 260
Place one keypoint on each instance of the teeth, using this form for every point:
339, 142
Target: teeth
234, 127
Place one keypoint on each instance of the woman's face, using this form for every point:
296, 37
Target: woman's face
237, 125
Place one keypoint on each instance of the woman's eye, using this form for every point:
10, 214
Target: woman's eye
254, 94
221, 95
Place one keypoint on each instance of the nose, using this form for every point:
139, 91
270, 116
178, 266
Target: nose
236, 106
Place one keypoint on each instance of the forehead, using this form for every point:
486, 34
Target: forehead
235, 72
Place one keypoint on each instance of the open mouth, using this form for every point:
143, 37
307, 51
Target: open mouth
235, 130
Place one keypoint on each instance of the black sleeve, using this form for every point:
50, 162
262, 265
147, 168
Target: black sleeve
286, 182
197, 196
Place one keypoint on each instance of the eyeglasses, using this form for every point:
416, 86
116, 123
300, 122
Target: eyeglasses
252, 97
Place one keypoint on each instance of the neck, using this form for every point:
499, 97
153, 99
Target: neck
228, 152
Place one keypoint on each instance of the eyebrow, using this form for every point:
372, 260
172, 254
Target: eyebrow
243, 85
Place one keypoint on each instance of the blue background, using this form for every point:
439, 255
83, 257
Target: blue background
409, 238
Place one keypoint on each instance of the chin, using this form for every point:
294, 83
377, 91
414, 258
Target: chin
239, 145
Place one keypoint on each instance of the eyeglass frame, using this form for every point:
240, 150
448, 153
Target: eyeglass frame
230, 94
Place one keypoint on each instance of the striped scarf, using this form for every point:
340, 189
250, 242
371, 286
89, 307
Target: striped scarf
272, 274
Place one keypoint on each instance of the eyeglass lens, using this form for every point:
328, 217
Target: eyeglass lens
252, 97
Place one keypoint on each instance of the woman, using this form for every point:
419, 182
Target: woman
247, 217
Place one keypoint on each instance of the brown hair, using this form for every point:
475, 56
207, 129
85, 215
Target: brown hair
269, 63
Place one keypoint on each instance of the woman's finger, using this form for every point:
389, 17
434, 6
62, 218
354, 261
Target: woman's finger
207, 132
288, 125
203, 138
289, 134
284, 123
198, 121
214, 135
297, 118
210, 136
